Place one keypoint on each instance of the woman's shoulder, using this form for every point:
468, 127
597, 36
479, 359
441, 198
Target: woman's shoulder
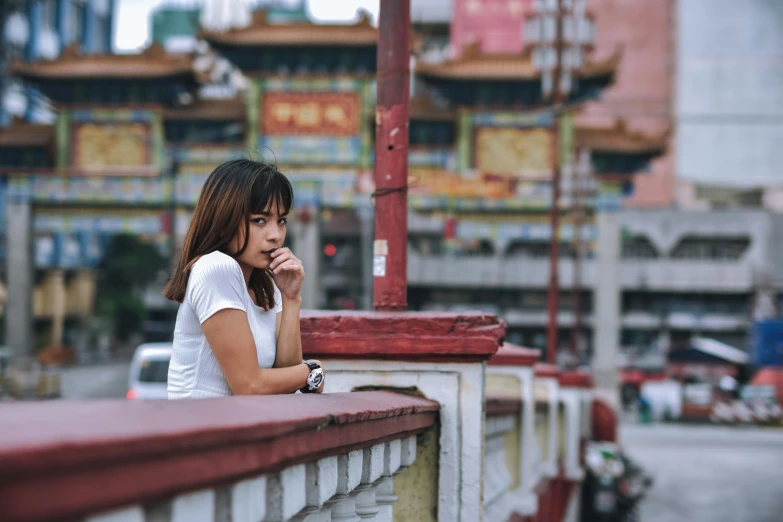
216, 264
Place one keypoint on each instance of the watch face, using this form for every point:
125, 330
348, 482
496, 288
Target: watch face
315, 378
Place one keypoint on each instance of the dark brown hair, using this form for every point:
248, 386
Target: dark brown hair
232, 193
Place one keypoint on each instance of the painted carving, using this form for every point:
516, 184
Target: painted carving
314, 114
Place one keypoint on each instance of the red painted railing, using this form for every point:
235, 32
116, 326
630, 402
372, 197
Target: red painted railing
64, 460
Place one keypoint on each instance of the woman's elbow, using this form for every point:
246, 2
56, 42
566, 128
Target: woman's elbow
249, 387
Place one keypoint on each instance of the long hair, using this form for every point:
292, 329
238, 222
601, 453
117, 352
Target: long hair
232, 193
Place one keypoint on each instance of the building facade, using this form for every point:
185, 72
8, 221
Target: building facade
480, 162
41, 29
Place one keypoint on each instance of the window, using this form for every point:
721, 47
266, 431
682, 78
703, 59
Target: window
711, 248
76, 15
48, 14
638, 247
154, 370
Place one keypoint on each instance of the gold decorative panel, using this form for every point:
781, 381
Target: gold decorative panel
111, 144
308, 113
517, 153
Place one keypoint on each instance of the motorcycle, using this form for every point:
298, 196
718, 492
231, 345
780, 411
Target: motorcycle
614, 485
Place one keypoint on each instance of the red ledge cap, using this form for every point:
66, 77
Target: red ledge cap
401, 336
497, 405
576, 379
547, 370
67, 460
511, 355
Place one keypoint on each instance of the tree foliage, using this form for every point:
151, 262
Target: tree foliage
129, 265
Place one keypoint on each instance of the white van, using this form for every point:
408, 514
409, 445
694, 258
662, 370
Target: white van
149, 371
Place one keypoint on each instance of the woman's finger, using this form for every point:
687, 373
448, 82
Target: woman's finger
289, 265
279, 260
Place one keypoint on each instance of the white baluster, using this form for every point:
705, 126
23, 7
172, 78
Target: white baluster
366, 505
194, 507
286, 494
349, 476
385, 498
345, 509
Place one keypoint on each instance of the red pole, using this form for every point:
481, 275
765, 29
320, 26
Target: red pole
391, 157
554, 255
554, 245
579, 218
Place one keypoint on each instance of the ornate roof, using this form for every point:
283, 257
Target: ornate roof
152, 63
475, 65
26, 135
620, 139
422, 107
209, 109
262, 33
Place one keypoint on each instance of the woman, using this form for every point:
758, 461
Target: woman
237, 330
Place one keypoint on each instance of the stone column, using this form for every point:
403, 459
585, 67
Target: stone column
367, 224
607, 307
19, 278
57, 284
307, 247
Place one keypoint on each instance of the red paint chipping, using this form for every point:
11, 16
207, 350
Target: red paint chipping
510, 355
401, 336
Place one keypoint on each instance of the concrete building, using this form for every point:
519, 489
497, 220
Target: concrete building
681, 273
729, 93
42, 29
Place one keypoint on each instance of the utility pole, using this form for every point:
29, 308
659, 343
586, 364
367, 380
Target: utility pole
554, 216
391, 157
579, 191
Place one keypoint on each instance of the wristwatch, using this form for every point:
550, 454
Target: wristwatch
315, 379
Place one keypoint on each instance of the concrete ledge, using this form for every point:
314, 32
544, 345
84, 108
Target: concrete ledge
401, 336
60, 461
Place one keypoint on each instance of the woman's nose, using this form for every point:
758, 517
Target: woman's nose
274, 234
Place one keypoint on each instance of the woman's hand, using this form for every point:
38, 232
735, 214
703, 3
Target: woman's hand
288, 272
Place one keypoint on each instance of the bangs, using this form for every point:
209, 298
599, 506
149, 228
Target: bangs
271, 189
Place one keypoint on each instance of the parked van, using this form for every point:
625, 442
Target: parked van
149, 371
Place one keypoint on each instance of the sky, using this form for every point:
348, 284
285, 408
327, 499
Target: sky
133, 17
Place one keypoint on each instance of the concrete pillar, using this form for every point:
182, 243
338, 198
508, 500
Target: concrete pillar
307, 247
367, 225
56, 284
606, 295
19, 277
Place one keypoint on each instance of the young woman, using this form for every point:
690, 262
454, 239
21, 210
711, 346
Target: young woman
237, 329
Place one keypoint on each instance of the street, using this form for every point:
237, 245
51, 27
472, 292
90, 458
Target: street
709, 474
104, 381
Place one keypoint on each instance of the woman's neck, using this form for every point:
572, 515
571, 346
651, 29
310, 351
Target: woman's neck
247, 271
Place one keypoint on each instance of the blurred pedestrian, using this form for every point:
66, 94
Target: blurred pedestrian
237, 329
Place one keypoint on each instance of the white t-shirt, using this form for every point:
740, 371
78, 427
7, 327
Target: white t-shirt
215, 283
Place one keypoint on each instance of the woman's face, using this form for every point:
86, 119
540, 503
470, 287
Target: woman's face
267, 233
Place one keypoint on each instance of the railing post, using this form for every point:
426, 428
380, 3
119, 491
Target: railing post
510, 374
440, 356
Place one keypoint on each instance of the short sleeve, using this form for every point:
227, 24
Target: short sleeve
215, 283
278, 300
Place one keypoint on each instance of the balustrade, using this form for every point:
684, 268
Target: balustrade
281, 458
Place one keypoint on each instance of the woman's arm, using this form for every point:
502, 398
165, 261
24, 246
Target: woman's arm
229, 335
288, 274
289, 339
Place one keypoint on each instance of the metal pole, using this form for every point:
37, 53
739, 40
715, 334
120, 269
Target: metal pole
579, 218
554, 245
391, 157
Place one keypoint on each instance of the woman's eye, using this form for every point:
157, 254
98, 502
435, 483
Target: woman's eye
283, 221
260, 221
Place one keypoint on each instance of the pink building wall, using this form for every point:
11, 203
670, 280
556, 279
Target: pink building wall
643, 91
497, 24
